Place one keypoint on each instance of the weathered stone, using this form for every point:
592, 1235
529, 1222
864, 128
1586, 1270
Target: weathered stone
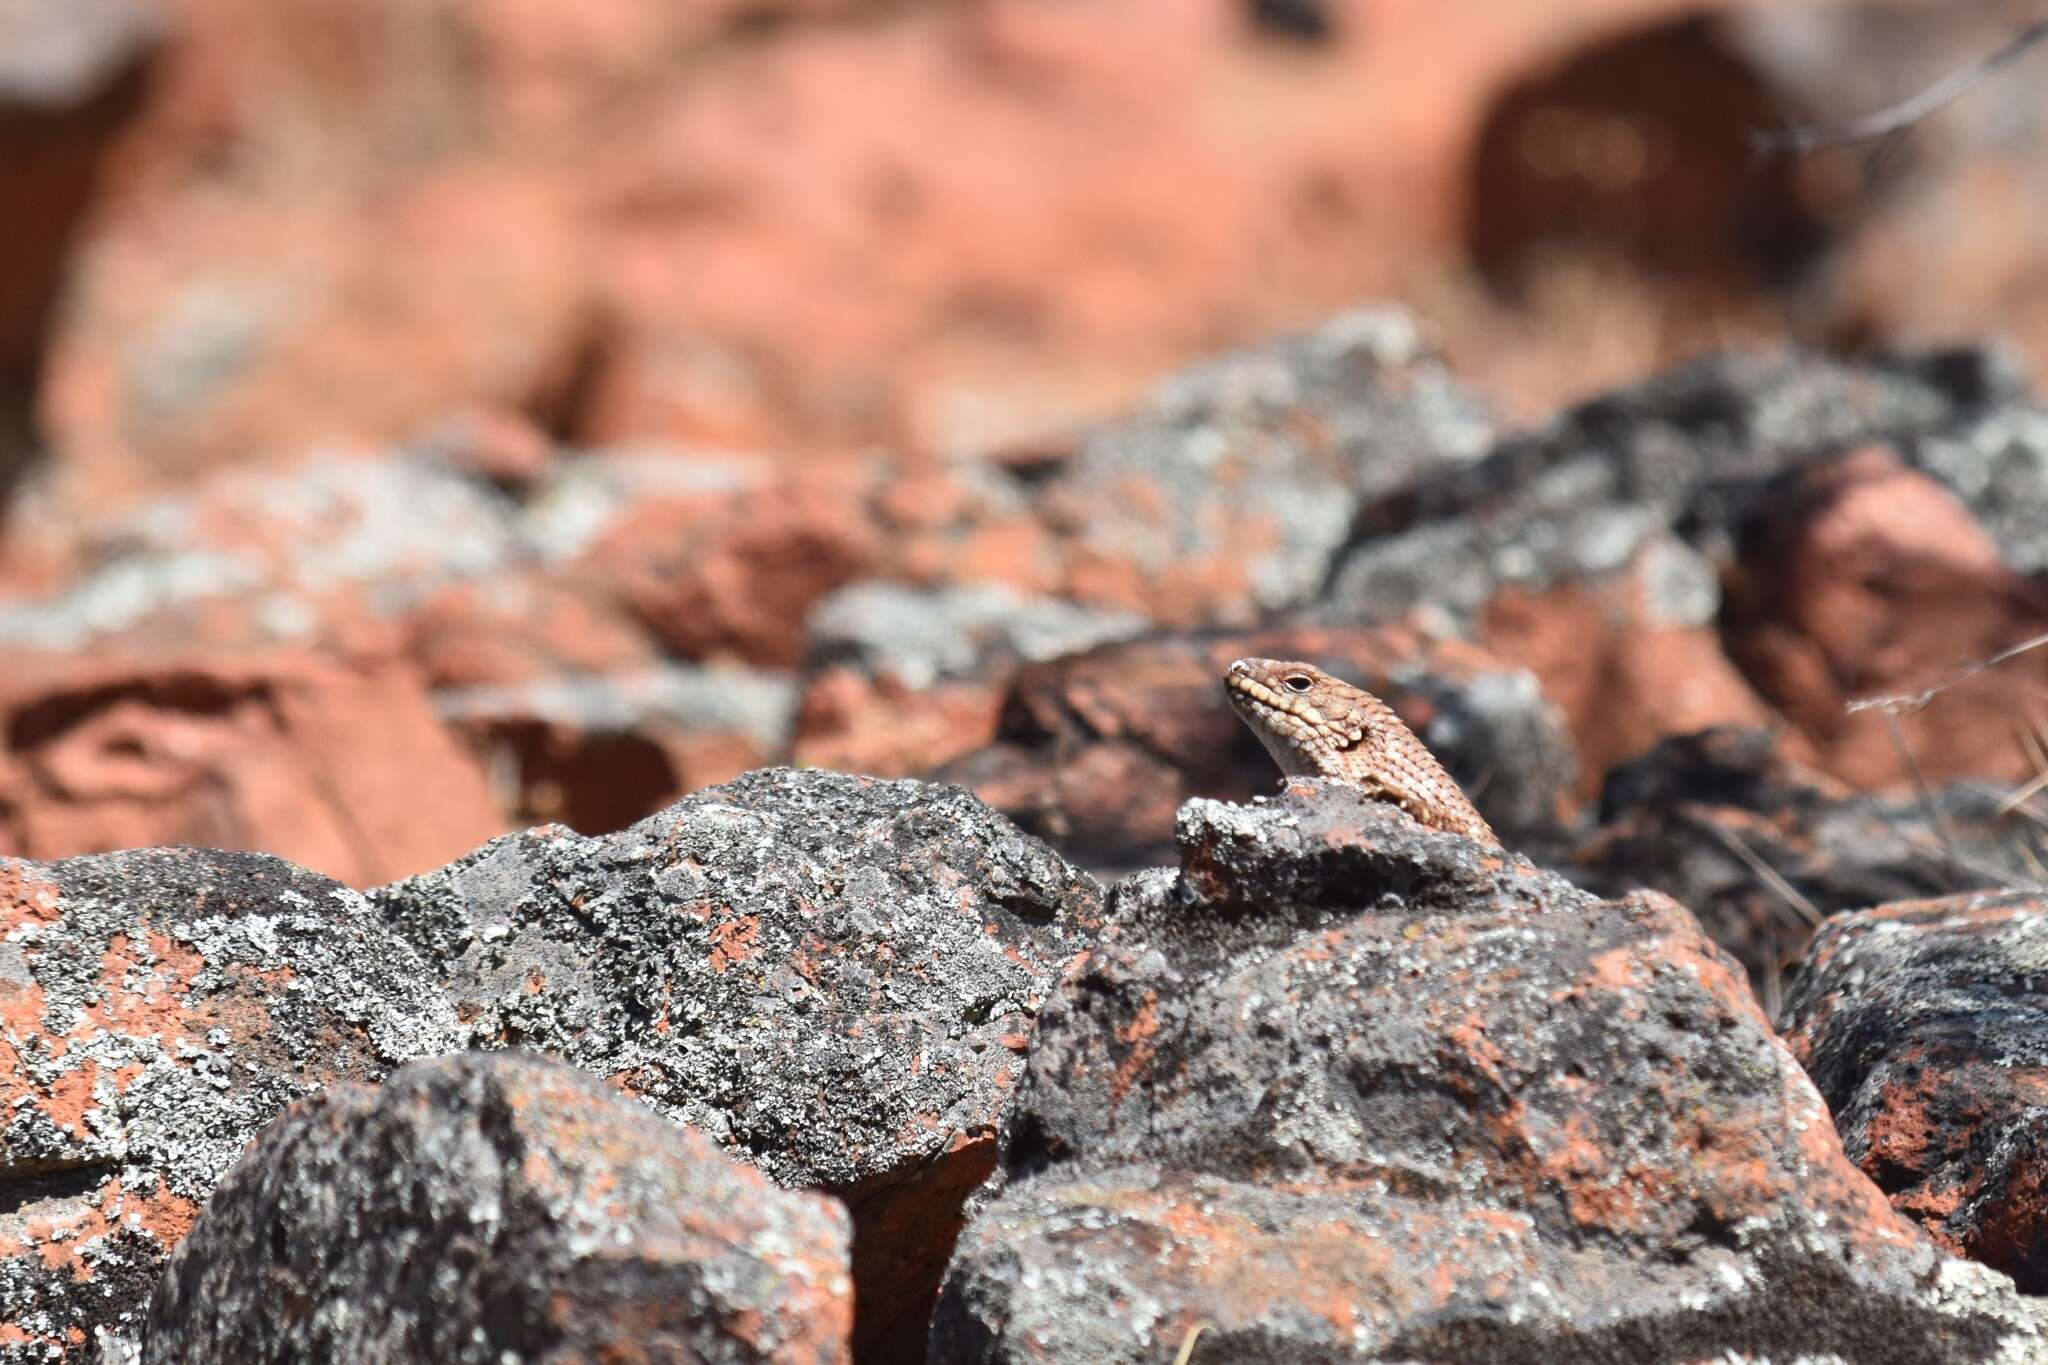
1096, 750
1591, 549
1925, 1025
832, 977
1345, 1088
344, 768
1230, 494
484, 1208
1857, 577
157, 1008
1697, 815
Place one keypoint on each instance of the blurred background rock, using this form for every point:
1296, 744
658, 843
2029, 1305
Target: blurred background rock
421, 418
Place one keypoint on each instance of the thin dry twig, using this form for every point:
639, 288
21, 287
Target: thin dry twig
1901, 702
1770, 876
1907, 112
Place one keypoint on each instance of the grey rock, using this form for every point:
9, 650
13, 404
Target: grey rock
1683, 454
487, 1208
1343, 1088
830, 976
160, 1007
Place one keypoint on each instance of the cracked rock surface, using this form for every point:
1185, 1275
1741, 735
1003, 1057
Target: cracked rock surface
1343, 1087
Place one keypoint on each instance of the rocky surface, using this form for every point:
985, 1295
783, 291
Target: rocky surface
1098, 749
493, 1207
832, 977
1925, 1025
1699, 815
1564, 1122
159, 1007
1594, 548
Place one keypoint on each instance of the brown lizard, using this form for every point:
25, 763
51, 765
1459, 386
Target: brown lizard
1315, 725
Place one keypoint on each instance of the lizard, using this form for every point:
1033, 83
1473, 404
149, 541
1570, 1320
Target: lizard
1315, 725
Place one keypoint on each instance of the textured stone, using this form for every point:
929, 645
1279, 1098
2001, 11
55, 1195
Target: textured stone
832, 977
1591, 549
1925, 1025
1698, 814
1227, 496
157, 1008
481, 1208
1343, 1088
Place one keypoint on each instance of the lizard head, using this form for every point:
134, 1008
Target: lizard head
1307, 719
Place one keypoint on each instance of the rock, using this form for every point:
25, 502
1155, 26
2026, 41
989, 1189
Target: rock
343, 767
904, 679
1344, 1087
732, 583
1858, 578
159, 1007
1228, 495
1925, 1025
1095, 751
597, 752
72, 73
1697, 815
832, 977
515, 1209
1592, 549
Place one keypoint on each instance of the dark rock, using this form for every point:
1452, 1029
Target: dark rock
1096, 751
71, 76
1695, 816
832, 977
1925, 1025
1343, 1087
484, 1208
1592, 549
159, 1007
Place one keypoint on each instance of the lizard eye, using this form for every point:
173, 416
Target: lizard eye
1296, 682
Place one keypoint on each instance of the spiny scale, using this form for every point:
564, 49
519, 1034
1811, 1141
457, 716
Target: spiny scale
1315, 725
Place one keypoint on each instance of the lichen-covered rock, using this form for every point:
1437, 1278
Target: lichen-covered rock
157, 1008
1592, 549
1925, 1025
1345, 1088
1228, 494
494, 1207
1097, 750
833, 977
1698, 814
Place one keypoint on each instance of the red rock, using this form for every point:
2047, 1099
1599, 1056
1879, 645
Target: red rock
731, 580
72, 73
1923, 1023
1862, 578
344, 769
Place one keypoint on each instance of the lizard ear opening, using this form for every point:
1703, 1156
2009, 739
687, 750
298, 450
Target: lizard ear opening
1297, 682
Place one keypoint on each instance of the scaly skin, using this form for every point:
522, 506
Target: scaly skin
1315, 725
